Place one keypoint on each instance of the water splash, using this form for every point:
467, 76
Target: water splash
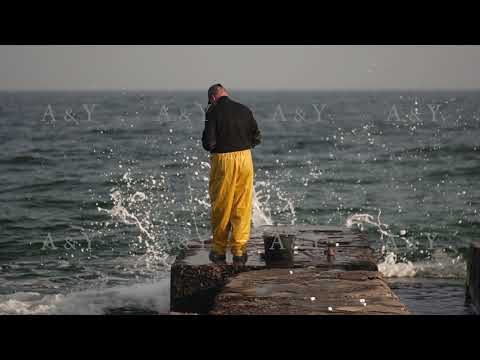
135, 204
119, 213
261, 216
383, 229
390, 267
272, 204
360, 219
439, 265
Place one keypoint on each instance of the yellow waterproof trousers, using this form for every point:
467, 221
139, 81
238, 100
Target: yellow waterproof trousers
231, 197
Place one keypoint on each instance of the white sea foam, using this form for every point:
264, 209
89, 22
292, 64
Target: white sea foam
440, 265
391, 268
149, 296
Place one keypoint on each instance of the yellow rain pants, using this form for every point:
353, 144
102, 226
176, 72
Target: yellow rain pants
231, 197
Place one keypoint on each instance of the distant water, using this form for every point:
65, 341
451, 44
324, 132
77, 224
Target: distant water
118, 187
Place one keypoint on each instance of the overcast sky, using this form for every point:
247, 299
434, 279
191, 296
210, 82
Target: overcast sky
239, 67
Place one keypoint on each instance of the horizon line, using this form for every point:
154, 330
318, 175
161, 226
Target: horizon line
237, 89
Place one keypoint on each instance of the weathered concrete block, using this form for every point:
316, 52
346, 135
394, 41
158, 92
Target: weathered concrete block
473, 277
196, 282
307, 291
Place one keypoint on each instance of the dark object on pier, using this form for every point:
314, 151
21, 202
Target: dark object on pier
473, 277
279, 249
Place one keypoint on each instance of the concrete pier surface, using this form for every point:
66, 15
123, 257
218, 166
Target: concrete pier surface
314, 284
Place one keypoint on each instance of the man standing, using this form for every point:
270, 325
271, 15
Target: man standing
229, 135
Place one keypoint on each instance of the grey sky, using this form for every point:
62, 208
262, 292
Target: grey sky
239, 67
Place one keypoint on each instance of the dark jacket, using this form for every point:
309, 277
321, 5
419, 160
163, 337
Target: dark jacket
229, 126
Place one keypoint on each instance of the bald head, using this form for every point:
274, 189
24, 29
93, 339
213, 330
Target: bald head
215, 92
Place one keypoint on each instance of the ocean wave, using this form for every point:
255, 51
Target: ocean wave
151, 297
440, 266
456, 172
346, 180
435, 149
41, 186
26, 159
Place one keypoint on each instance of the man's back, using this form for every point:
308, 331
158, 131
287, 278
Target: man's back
230, 126
230, 132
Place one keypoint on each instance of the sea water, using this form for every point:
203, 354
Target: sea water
100, 190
